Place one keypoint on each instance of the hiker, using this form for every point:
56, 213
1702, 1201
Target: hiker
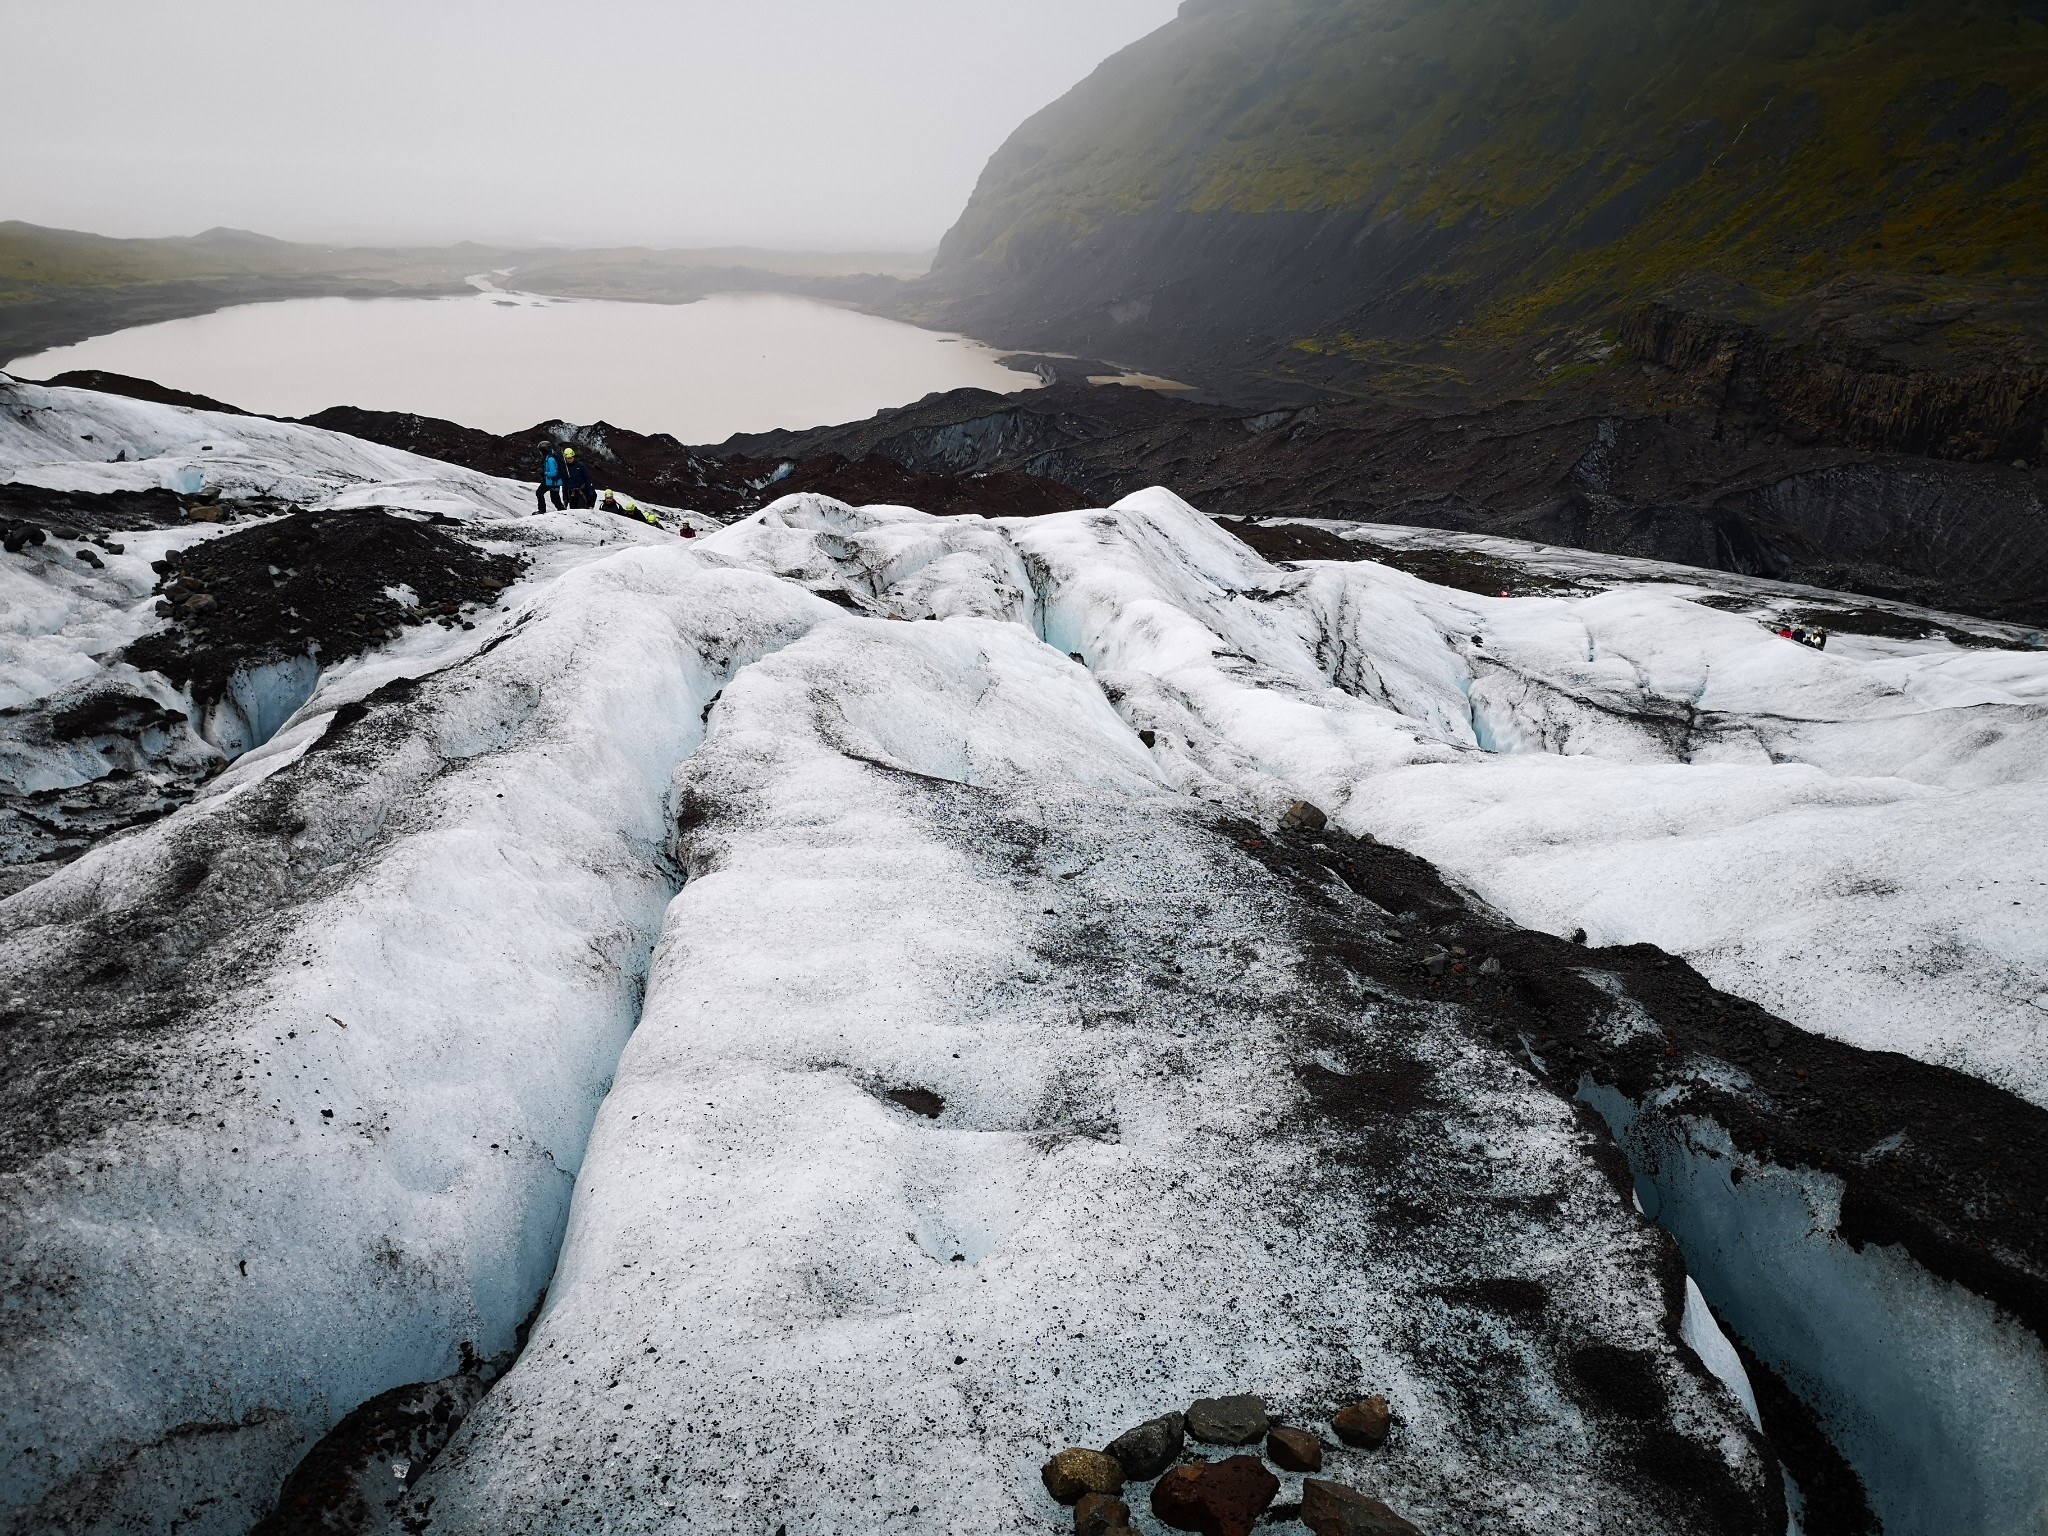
550, 481
576, 480
626, 506
1817, 638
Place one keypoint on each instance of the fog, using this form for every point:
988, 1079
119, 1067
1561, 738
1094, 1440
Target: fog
807, 123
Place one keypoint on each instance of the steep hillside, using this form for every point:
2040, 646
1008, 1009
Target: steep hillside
1798, 205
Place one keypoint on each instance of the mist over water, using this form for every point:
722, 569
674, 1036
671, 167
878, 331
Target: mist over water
502, 362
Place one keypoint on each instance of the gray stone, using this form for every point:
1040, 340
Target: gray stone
1151, 1448
1236, 1420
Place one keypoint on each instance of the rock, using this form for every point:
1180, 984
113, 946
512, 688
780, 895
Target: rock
1100, 1513
1578, 935
1364, 1423
1149, 738
1436, 960
1294, 1450
1302, 817
1331, 1509
1222, 1498
1077, 1471
92, 559
205, 514
1489, 966
1151, 1448
199, 602
919, 1101
1236, 1420
165, 608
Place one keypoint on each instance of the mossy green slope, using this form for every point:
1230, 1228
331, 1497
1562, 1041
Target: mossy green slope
1555, 160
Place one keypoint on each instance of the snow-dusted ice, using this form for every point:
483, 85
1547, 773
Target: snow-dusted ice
1852, 837
834, 961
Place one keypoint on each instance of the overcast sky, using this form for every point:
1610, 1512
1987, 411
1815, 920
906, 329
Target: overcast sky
814, 123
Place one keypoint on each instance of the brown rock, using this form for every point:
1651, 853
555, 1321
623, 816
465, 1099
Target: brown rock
1098, 1514
1364, 1423
1302, 817
205, 514
1294, 1450
1219, 1498
1077, 1471
1331, 1509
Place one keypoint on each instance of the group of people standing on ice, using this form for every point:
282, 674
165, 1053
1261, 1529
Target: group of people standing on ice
566, 481
563, 481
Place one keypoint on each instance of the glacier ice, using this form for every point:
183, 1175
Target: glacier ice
607, 933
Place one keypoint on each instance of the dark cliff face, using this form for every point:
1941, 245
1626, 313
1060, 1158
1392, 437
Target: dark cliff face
1459, 199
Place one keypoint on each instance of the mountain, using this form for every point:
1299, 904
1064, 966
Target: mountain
1833, 213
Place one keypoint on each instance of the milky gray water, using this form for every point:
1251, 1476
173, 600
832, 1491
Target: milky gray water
499, 361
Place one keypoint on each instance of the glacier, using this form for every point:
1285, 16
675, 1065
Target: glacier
830, 1012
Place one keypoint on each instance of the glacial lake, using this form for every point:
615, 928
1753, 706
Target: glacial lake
504, 361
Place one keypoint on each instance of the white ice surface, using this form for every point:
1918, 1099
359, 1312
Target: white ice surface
81, 440
1703, 1336
930, 855
1852, 838
453, 975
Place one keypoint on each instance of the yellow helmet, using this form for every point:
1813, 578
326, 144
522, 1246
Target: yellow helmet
568, 453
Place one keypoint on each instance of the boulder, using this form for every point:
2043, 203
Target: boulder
1364, 1423
1302, 817
1098, 1514
1076, 1472
1222, 1498
1294, 1450
205, 514
1332, 1509
1151, 1448
1239, 1420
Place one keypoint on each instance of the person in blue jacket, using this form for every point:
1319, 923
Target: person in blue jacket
550, 481
576, 481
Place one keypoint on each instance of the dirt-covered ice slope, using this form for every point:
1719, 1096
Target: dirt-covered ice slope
966, 1120
1000, 1076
